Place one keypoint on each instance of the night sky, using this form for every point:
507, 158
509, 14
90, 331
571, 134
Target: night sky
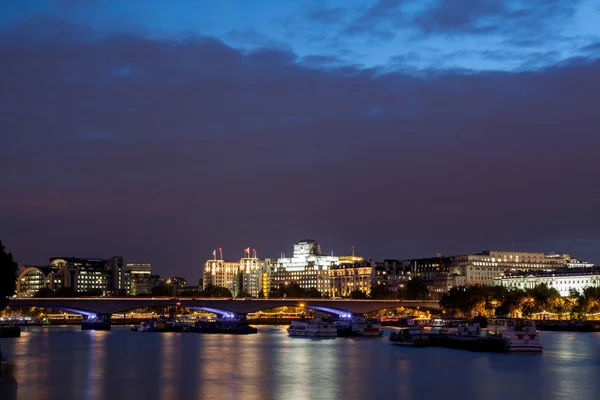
161, 130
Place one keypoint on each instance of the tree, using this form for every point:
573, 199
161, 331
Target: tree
381, 292
189, 293
313, 293
44, 292
243, 294
161, 290
215, 291
8, 276
358, 294
261, 294
416, 289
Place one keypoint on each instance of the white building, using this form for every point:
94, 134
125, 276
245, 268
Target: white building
307, 267
220, 273
563, 280
482, 268
250, 275
575, 263
571, 262
307, 253
253, 277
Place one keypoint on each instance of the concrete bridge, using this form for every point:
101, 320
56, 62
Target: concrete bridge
96, 306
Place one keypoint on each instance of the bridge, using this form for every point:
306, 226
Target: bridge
101, 308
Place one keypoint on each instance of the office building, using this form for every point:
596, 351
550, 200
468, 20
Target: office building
482, 268
562, 280
33, 278
140, 278
348, 277
307, 267
106, 276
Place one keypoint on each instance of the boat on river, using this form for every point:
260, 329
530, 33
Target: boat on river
501, 335
315, 327
411, 336
158, 325
354, 325
471, 337
519, 335
232, 324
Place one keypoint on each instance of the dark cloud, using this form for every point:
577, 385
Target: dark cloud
373, 21
327, 16
516, 18
320, 60
521, 23
162, 150
593, 48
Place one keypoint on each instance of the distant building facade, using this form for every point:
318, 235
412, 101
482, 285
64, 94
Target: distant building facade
140, 278
33, 278
109, 276
482, 268
428, 269
220, 273
562, 280
348, 277
250, 275
307, 267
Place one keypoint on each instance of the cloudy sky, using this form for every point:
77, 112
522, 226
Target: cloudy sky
159, 130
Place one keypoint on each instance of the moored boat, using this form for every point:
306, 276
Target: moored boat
312, 328
414, 336
160, 325
519, 335
354, 325
471, 337
232, 324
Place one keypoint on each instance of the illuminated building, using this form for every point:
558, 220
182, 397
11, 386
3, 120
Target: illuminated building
427, 269
347, 277
482, 268
316, 277
84, 274
253, 277
110, 276
307, 267
570, 262
220, 273
391, 273
562, 280
307, 253
250, 275
34, 278
140, 278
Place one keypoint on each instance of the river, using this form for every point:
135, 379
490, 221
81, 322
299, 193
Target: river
65, 363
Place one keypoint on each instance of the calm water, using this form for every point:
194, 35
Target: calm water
66, 363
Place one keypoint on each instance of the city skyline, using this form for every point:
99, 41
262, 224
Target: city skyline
218, 255
160, 133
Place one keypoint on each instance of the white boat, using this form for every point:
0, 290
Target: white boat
519, 335
354, 325
312, 328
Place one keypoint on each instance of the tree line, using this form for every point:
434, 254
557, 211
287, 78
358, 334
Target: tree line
498, 300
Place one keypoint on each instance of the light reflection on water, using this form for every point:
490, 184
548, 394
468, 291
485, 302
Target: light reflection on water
66, 363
